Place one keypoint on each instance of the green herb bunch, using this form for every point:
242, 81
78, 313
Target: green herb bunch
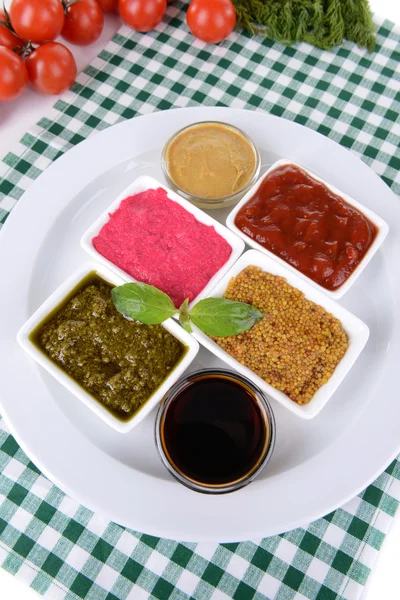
323, 23
215, 316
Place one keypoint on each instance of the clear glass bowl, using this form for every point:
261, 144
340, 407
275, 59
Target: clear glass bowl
200, 201
266, 411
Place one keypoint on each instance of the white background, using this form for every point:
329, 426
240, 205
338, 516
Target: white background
15, 118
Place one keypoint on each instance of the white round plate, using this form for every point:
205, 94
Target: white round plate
317, 465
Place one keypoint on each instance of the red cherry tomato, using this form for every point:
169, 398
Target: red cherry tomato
37, 21
13, 74
83, 23
211, 20
7, 37
51, 68
142, 15
108, 6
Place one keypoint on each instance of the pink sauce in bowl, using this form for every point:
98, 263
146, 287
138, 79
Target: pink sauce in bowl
157, 241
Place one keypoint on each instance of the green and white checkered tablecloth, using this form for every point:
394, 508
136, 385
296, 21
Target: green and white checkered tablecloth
61, 548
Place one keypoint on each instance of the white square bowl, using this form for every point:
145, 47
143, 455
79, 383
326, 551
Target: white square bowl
145, 183
380, 224
357, 332
52, 302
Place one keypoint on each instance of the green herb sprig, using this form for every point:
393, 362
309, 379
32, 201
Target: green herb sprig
215, 316
323, 23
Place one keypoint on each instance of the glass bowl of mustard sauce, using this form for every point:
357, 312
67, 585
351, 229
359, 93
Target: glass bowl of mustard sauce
210, 163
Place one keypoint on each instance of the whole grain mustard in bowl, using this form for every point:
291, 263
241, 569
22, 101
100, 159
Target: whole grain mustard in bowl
211, 164
305, 345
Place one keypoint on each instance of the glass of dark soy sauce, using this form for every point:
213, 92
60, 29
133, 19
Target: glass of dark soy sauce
215, 431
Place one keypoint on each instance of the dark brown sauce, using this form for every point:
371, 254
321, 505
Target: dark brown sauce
215, 431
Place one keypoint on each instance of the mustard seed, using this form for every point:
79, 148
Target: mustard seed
296, 346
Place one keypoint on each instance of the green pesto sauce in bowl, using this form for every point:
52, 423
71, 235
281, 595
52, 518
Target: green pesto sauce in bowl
119, 362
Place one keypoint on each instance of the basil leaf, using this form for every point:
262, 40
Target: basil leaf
184, 306
221, 317
142, 302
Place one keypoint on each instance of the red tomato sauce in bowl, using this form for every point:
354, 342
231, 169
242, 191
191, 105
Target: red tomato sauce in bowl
302, 221
157, 241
